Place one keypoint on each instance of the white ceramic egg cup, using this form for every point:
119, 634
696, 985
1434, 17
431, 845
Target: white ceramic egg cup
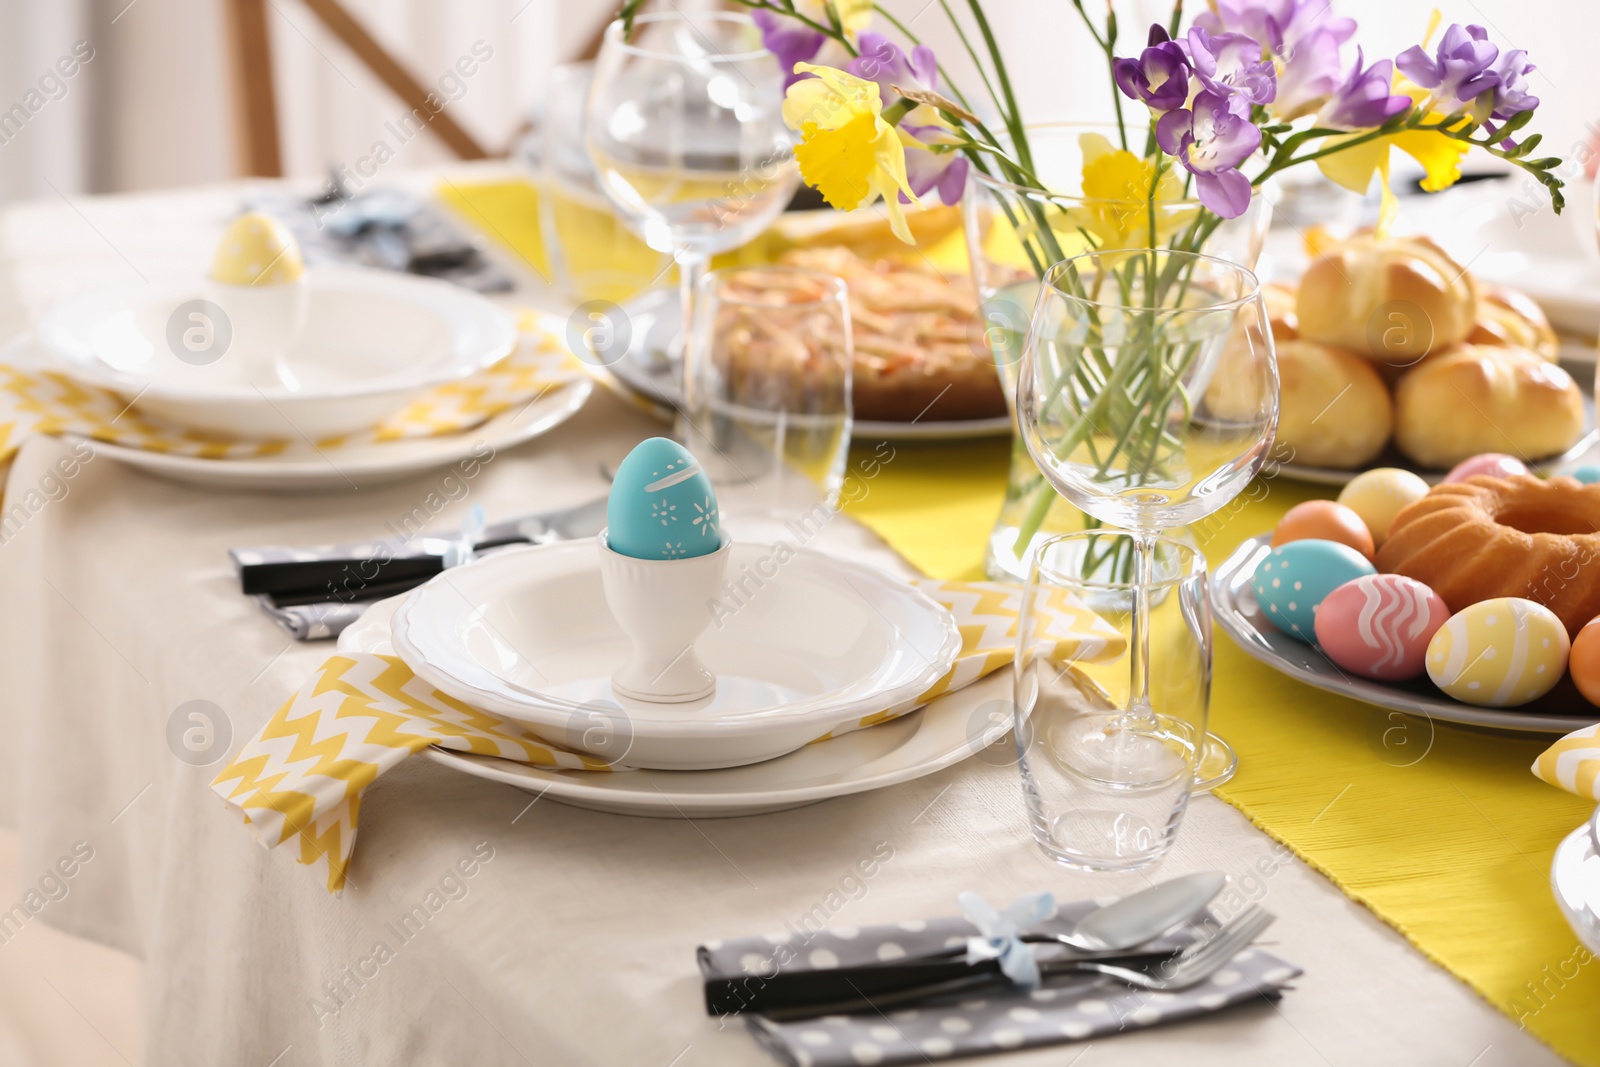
265, 322
663, 605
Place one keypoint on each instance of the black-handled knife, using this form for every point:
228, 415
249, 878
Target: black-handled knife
337, 573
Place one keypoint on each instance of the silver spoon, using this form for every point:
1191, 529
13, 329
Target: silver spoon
1139, 917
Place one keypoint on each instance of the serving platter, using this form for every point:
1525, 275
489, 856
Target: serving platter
1233, 602
644, 367
944, 733
1391, 457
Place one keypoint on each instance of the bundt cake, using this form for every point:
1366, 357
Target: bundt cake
1492, 537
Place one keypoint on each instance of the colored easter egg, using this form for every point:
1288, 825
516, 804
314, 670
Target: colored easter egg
1324, 520
1379, 494
1499, 653
661, 504
1294, 578
1494, 464
1584, 661
1587, 475
1379, 626
257, 249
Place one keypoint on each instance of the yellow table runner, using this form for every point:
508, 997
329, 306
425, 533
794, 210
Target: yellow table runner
1442, 832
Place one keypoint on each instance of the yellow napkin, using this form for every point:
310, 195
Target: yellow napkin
300, 779
35, 401
1573, 763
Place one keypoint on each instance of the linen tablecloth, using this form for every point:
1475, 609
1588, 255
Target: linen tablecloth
571, 940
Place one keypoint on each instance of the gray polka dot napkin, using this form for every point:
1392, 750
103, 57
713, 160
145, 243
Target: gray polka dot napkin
1065, 1009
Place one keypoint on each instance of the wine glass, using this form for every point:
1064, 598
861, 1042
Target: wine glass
1148, 396
686, 131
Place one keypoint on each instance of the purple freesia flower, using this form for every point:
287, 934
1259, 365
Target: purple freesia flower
1159, 78
882, 61
1312, 69
1364, 100
1279, 24
790, 41
945, 171
1511, 96
1211, 139
1232, 63
1462, 68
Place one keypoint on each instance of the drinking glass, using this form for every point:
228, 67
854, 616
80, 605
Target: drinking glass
1148, 396
1108, 769
686, 132
592, 254
767, 397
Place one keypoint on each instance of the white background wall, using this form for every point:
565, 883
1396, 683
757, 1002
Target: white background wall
155, 109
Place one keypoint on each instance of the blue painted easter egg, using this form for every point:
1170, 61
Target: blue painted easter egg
1294, 578
661, 504
1587, 475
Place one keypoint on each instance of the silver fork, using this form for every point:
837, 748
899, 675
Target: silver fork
1191, 966
1178, 970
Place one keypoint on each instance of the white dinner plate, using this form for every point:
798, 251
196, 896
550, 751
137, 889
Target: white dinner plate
1575, 877
301, 467
644, 368
809, 644
1233, 600
944, 733
369, 340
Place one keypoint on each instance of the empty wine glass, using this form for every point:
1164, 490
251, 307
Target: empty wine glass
1148, 396
686, 131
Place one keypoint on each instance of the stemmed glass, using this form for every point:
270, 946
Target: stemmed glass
686, 132
1148, 396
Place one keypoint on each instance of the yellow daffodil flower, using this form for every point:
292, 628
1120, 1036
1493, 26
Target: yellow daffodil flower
847, 152
1439, 154
1116, 191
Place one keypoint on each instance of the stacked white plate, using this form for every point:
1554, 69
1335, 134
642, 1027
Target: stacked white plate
301, 364
525, 634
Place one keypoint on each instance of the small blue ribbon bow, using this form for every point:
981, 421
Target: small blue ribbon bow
461, 549
998, 934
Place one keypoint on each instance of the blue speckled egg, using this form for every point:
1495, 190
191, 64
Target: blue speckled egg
661, 504
1292, 581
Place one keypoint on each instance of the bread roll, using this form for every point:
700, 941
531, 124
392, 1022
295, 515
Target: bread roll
1509, 317
1334, 410
1486, 398
1391, 300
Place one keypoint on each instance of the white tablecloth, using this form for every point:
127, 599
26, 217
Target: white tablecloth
573, 942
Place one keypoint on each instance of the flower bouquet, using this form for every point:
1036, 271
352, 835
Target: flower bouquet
1206, 113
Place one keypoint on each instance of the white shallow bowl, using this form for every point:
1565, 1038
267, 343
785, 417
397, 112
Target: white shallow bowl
370, 341
952, 728
525, 634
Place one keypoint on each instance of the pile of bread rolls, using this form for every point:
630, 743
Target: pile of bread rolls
1391, 340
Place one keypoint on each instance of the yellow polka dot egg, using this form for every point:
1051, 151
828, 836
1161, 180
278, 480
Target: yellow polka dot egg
257, 250
1499, 653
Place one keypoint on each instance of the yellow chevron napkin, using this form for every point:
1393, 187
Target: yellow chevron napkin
300, 779
34, 401
1573, 763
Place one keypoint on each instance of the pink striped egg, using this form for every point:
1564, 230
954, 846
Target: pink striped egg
1379, 626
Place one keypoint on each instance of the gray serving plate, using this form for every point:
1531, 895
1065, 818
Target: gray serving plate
1559, 712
